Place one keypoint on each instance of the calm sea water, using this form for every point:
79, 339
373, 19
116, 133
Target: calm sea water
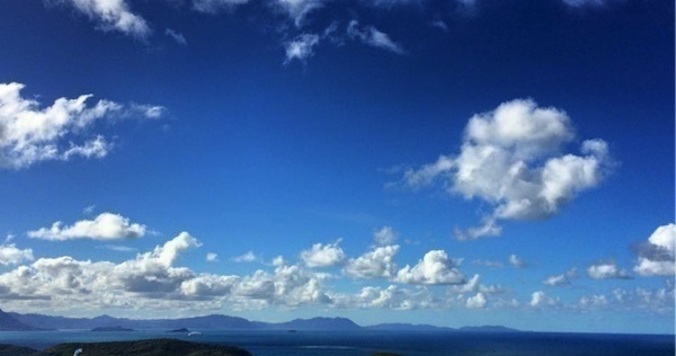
363, 343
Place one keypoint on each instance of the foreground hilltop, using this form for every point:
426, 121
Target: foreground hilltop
153, 347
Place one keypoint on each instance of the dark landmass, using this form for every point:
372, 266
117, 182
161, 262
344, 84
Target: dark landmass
8, 323
181, 330
200, 322
16, 321
11, 350
488, 329
154, 347
111, 328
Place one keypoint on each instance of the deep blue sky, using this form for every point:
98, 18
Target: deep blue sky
253, 148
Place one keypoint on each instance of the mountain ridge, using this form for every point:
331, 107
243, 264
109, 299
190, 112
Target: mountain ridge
30, 321
9, 323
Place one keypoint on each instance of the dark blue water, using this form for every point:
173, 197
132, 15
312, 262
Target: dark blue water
363, 343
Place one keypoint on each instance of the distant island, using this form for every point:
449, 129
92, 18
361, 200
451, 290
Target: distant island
181, 330
152, 347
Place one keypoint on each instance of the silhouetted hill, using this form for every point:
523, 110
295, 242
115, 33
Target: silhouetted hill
215, 321
153, 347
200, 322
181, 330
9, 323
11, 350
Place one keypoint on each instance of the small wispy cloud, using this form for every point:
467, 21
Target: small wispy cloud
176, 36
297, 9
607, 270
563, 279
385, 236
120, 248
212, 257
301, 47
89, 210
246, 258
111, 15
517, 261
215, 6
371, 36
581, 3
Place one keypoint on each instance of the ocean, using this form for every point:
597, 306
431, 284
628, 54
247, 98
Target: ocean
364, 343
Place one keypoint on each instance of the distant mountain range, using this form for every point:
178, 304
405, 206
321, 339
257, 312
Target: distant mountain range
27, 322
8, 323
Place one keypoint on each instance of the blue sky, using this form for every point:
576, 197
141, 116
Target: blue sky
452, 163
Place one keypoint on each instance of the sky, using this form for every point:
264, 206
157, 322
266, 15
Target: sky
460, 162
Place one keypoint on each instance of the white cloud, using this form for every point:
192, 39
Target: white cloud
106, 226
30, 134
297, 9
214, 6
516, 261
377, 263
607, 270
385, 236
209, 285
489, 227
94, 148
166, 254
593, 301
558, 280
212, 257
476, 302
371, 36
288, 285
301, 47
511, 158
152, 281
434, 268
176, 36
67, 282
247, 257
145, 110
659, 301
561, 279
540, 299
473, 286
278, 261
323, 255
392, 297
657, 256
11, 255
112, 15
153, 273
